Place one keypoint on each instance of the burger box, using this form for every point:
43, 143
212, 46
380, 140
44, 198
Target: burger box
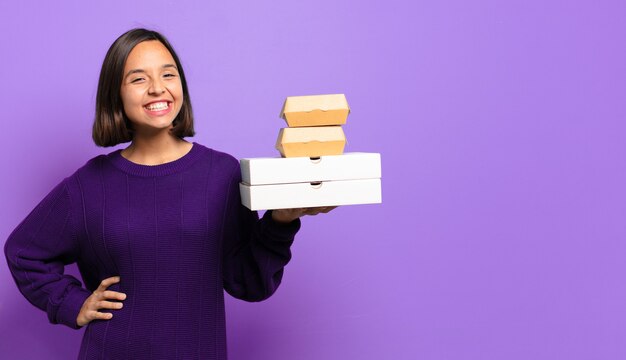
280, 183
311, 141
315, 110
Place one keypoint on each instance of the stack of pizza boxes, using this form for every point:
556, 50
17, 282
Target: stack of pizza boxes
313, 170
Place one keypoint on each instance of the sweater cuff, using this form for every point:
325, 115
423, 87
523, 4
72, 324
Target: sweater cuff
284, 231
70, 307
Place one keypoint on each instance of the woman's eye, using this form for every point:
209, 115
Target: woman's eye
136, 80
169, 75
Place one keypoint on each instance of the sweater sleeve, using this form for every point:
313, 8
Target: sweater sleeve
255, 251
37, 251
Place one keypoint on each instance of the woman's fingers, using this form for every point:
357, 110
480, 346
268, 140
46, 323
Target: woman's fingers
318, 210
109, 305
288, 215
99, 299
113, 295
108, 282
96, 315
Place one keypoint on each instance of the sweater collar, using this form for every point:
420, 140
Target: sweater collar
168, 168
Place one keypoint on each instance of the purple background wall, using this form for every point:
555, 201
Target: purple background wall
502, 130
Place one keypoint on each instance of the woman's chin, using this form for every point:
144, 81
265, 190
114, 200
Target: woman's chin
153, 129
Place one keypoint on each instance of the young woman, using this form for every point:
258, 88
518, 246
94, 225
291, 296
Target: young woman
157, 229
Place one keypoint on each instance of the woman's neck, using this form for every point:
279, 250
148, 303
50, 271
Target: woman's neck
156, 149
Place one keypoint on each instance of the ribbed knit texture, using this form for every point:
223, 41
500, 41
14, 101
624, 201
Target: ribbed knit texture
176, 234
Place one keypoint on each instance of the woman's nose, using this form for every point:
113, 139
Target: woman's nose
156, 88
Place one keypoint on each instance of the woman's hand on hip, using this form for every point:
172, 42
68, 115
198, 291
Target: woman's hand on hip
100, 299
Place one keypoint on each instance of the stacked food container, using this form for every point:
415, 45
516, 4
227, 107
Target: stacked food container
313, 171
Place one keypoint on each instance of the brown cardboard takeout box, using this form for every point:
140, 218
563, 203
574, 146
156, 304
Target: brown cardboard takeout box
315, 110
311, 141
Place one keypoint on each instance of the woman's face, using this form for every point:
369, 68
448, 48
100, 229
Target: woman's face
152, 91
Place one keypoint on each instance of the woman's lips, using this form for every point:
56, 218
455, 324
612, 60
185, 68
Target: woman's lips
158, 107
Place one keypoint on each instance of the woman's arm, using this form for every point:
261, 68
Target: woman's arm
37, 251
255, 251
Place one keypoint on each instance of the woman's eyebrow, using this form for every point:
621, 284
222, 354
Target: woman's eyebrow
134, 71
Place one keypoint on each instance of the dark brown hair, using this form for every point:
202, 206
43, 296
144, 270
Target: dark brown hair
111, 125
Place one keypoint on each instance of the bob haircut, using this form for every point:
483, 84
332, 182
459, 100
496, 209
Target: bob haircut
111, 125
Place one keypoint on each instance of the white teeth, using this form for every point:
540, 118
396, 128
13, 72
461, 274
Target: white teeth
157, 106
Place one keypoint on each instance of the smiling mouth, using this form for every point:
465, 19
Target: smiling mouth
157, 106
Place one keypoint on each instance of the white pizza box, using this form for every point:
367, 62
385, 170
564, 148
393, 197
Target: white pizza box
299, 195
349, 166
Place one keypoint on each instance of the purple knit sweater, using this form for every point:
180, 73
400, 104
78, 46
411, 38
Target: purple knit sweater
176, 234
